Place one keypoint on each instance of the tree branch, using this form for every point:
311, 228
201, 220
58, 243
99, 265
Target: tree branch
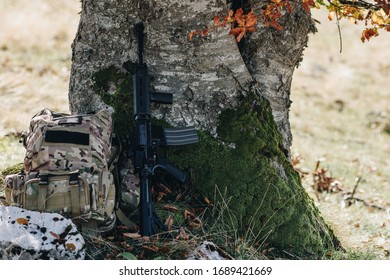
361, 4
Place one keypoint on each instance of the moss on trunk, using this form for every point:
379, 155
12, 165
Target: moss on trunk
115, 88
258, 184
249, 168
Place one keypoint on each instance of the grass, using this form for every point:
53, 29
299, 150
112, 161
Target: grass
340, 112
180, 241
11, 152
35, 56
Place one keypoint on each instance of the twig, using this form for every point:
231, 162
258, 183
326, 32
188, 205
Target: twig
291, 255
339, 29
355, 187
361, 4
351, 198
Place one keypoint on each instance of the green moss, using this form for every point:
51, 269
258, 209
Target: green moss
251, 128
116, 89
256, 181
14, 169
246, 171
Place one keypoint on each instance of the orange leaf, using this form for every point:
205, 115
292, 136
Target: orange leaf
22, 221
188, 214
331, 15
56, 236
240, 36
277, 26
170, 208
251, 21
191, 34
289, 8
308, 4
182, 235
237, 31
169, 222
152, 248
238, 16
196, 223
217, 21
208, 201
368, 33
135, 235
250, 29
205, 32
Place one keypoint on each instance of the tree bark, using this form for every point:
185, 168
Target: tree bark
237, 96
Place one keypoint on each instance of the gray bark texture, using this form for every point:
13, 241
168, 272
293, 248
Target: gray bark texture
205, 74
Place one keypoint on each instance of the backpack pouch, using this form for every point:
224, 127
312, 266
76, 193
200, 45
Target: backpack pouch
61, 192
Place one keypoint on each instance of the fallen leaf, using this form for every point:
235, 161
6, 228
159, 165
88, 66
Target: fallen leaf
171, 208
22, 221
208, 201
56, 236
182, 235
169, 222
188, 214
152, 248
131, 235
196, 223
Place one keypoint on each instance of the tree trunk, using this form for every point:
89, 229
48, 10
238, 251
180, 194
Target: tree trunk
238, 97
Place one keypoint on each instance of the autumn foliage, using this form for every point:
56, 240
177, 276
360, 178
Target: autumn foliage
243, 24
240, 24
375, 15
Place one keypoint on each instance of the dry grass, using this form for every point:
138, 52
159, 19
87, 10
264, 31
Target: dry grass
35, 39
340, 112
340, 102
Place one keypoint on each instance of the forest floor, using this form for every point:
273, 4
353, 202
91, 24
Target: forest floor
340, 114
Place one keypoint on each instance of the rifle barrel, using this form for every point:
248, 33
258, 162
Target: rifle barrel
139, 33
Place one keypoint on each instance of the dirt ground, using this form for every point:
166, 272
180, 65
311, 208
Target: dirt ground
340, 112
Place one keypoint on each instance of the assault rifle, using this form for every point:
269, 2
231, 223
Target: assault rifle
148, 138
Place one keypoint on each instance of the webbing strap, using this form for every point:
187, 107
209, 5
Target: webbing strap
8, 195
75, 200
42, 192
125, 221
75, 193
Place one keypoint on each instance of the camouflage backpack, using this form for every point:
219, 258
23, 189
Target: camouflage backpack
68, 168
